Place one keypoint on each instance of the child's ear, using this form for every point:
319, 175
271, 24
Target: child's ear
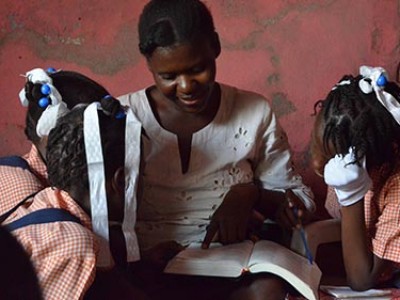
118, 181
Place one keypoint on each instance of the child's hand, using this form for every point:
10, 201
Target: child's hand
159, 255
350, 181
231, 219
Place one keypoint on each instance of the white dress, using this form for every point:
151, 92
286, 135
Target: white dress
244, 143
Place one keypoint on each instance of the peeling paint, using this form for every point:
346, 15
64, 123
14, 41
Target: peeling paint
281, 105
248, 43
297, 7
273, 79
14, 24
282, 49
376, 39
275, 60
123, 49
398, 8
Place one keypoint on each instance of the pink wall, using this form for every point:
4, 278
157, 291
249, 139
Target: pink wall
292, 51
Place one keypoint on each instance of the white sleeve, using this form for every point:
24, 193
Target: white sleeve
274, 166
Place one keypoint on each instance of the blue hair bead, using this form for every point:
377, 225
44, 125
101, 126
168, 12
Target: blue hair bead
120, 115
51, 70
381, 81
45, 89
43, 102
107, 97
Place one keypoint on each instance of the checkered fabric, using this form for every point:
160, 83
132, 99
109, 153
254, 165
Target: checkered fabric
36, 165
63, 253
332, 205
17, 183
382, 216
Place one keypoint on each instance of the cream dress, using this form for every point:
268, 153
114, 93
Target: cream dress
244, 143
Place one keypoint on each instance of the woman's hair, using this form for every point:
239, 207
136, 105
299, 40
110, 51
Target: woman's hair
164, 23
73, 87
354, 119
66, 155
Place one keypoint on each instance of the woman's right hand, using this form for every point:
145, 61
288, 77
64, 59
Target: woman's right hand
229, 223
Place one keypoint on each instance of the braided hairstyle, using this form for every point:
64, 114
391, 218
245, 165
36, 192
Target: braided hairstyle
164, 23
354, 119
73, 87
66, 156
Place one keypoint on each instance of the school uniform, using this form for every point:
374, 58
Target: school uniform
63, 253
17, 182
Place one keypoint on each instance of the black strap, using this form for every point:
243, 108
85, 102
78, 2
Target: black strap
4, 216
46, 215
14, 161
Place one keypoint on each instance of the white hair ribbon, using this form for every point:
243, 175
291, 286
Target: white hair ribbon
96, 172
97, 187
343, 82
132, 162
49, 117
378, 78
54, 110
38, 75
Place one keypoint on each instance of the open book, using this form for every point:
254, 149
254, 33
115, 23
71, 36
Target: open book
235, 259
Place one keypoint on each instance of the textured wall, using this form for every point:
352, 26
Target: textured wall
292, 51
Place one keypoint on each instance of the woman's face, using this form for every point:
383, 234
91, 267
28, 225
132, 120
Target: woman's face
319, 155
184, 74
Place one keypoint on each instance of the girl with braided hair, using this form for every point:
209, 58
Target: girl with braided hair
355, 146
79, 232
43, 89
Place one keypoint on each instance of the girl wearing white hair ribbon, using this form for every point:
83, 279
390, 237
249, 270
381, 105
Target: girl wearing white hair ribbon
49, 94
86, 155
89, 180
45, 92
355, 147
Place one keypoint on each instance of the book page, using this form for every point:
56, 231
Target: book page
273, 258
218, 260
345, 292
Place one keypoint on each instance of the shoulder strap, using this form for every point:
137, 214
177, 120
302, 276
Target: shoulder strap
14, 161
4, 216
47, 215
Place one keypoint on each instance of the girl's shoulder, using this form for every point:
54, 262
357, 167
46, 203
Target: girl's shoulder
386, 179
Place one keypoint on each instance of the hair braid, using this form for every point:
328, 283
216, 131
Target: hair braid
66, 155
358, 120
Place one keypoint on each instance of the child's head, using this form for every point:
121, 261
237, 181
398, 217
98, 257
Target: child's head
350, 117
66, 153
168, 23
87, 157
72, 87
